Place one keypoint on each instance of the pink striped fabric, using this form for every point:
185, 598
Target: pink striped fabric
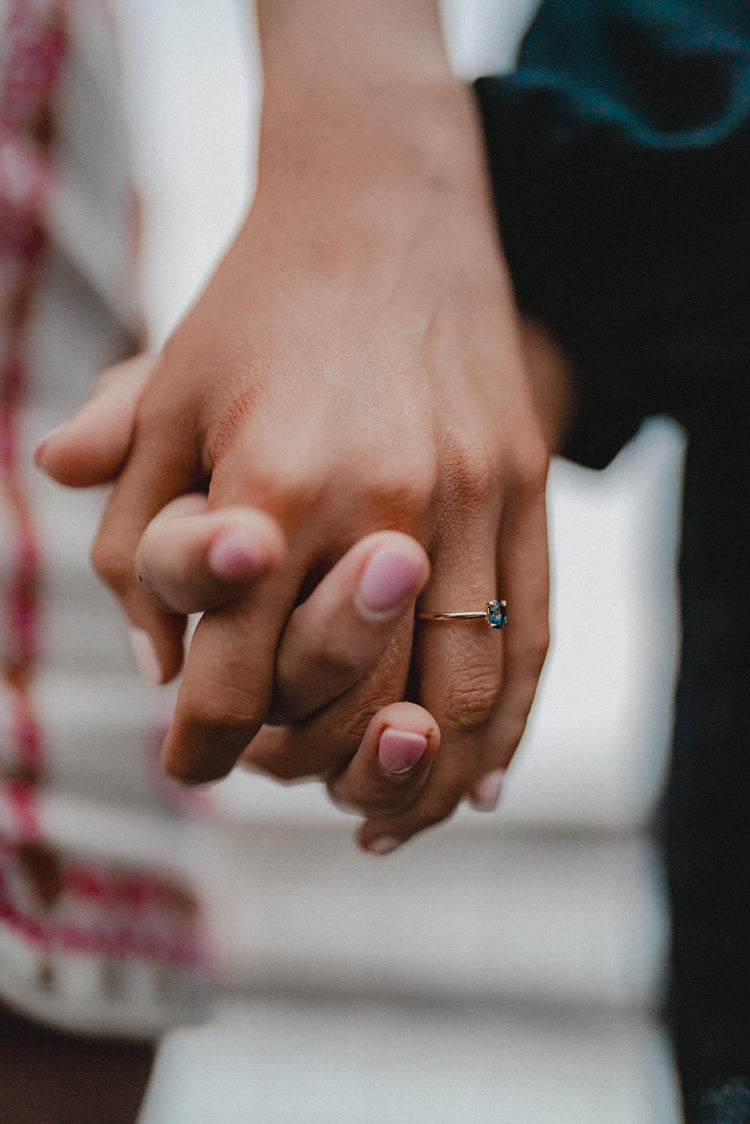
100, 926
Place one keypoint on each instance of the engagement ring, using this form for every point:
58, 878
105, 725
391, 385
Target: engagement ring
494, 612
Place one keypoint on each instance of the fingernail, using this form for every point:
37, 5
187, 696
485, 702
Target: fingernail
487, 792
388, 579
229, 557
145, 657
400, 750
39, 447
383, 845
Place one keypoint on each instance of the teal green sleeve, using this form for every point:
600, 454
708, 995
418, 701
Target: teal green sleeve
620, 157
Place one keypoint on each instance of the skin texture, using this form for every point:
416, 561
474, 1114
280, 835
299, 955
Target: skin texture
331, 640
354, 366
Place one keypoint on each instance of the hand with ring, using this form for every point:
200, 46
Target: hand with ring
190, 559
353, 368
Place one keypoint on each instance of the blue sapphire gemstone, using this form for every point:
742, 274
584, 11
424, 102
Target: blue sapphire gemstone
497, 614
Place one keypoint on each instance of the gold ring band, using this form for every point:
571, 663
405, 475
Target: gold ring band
495, 613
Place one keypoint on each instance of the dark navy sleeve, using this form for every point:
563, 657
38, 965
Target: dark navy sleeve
620, 157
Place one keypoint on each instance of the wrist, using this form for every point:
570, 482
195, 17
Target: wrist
362, 93
308, 45
345, 197
412, 130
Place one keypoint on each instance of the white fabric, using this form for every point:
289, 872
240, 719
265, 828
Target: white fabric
287, 1062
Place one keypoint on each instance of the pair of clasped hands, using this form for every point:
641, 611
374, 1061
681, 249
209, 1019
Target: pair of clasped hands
344, 427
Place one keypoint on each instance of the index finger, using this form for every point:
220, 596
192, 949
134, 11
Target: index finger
227, 686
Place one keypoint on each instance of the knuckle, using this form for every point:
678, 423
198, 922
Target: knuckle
472, 477
354, 724
401, 488
158, 412
109, 561
337, 660
530, 467
226, 422
469, 702
233, 709
288, 489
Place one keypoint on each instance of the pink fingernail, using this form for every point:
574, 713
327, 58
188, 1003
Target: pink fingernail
145, 657
388, 579
229, 557
487, 792
400, 750
383, 845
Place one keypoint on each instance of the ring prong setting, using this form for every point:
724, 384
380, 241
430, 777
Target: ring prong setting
497, 614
